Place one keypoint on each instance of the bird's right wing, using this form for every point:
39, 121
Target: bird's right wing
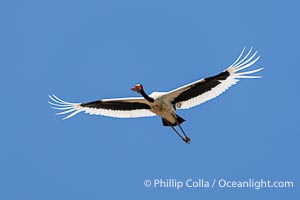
130, 107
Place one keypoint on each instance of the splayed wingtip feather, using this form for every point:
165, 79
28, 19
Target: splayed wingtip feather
247, 61
247, 65
244, 58
239, 57
250, 72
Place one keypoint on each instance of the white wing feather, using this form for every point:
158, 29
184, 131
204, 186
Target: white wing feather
75, 108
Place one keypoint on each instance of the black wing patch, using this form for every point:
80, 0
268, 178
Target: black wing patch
116, 105
201, 87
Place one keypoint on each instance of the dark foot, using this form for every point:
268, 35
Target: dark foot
187, 140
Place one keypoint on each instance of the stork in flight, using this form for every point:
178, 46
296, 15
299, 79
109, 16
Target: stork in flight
164, 104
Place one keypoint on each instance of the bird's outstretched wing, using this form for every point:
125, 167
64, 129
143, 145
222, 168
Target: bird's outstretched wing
130, 107
205, 89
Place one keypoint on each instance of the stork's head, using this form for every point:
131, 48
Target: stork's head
137, 88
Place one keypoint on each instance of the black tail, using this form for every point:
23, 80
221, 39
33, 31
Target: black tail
167, 123
179, 119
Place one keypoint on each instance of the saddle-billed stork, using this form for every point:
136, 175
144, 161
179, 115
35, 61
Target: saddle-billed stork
164, 104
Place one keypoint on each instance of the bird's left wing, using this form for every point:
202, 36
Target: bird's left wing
205, 89
130, 107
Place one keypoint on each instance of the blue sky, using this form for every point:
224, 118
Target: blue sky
88, 50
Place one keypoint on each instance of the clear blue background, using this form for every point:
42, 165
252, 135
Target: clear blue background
88, 50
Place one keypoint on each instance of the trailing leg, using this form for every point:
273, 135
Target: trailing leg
183, 138
186, 138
